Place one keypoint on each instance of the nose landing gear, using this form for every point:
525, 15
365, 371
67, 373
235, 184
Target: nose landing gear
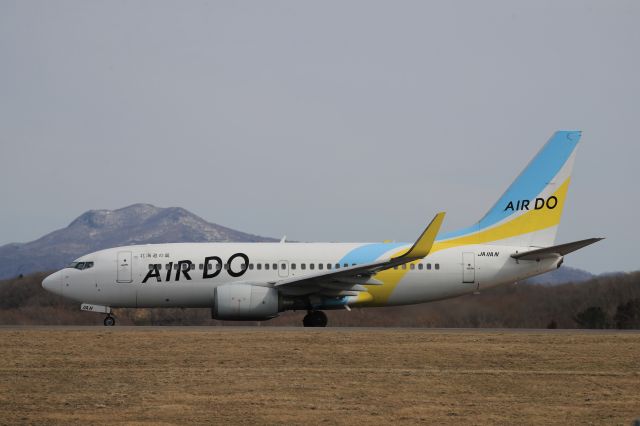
315, 319
108, 321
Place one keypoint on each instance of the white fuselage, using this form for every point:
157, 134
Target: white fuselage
125, 277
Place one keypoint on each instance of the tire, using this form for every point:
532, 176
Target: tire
109, 321
315, 319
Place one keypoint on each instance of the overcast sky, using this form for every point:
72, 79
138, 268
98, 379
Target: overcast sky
325, 121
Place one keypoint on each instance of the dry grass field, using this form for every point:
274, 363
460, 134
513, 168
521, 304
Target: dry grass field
330, 376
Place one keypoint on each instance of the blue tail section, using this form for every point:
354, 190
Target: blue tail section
535, 179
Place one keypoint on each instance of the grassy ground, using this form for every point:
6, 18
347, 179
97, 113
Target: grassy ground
333, 376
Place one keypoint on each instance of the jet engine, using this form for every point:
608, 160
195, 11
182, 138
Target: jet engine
245, 302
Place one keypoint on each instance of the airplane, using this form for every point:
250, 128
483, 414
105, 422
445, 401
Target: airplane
514, 240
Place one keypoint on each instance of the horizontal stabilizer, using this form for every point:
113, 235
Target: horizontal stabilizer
553, 251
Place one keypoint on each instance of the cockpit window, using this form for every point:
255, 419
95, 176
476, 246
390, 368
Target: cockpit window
80, 265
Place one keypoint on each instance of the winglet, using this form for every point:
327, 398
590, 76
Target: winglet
423, 245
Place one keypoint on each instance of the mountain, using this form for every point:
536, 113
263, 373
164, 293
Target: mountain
100, 229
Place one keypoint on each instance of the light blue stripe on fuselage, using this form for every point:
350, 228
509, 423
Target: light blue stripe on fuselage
366, 253
531, 182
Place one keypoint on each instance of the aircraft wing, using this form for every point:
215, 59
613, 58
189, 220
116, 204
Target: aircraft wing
554, 251
351, 280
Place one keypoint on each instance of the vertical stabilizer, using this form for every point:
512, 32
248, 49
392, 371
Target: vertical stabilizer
529, 212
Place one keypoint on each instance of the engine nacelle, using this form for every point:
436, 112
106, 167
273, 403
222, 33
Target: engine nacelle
245, 302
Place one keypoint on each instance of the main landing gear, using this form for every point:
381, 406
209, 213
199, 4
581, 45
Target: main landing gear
315, 319
109, 321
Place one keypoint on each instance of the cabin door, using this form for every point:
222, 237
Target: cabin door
283, 268
124, 267
468, 267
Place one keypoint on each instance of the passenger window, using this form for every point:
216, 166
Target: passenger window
346, 265
210, 266
420, 266
150, 266
167, 266
428, 266
312, 265
395, 267
266, 266
283, 266
200, 266
275, 266
320, 265
218, 266
437, 266
328, 266
259, 266
251, 266
243, 266
337, 266
193, 266
293, 266
404, 266
303, 266
175, 267
413, 266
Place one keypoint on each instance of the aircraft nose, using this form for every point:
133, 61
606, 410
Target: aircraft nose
53, 283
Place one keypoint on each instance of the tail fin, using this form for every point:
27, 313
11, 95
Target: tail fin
528, 213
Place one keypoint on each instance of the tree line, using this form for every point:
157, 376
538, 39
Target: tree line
611, 301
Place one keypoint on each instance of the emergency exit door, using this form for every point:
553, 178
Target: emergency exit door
124, 267
468, 267
283, 268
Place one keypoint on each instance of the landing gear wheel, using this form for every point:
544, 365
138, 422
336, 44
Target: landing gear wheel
109, 321
315, 319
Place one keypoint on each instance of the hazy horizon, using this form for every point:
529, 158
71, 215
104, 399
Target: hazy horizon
329, 121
